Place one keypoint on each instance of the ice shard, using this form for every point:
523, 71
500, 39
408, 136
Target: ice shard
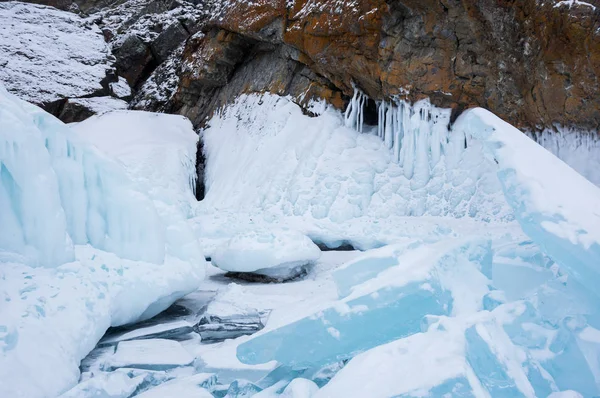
556, 206
390, 306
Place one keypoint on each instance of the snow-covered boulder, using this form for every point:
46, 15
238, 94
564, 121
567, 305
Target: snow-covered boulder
47, 54
78, 109
279, 255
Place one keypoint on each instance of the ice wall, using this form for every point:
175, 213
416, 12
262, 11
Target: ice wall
265, 155
578, 149
416, 134
158, 154
90, 236
57, 190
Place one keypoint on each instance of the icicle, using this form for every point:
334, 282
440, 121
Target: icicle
350, 115
361, 107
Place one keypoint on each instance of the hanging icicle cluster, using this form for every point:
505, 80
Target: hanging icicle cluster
354, 116
415, 133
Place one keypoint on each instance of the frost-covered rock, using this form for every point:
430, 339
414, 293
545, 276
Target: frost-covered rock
47, 54
277, 254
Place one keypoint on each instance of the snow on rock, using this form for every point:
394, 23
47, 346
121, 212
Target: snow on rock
120, 88
47, 54
574, 3
99, 104
556, 206
78, 109
86, 244
278, 254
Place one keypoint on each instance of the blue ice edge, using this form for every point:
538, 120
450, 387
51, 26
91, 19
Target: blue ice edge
330, 336
509, 147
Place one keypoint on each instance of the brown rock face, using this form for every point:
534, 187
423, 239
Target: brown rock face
535, 65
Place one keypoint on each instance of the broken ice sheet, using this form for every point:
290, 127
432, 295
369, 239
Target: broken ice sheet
110, 385
170, 330
555, 206
227, 316
152, 354
429, 280
196, 386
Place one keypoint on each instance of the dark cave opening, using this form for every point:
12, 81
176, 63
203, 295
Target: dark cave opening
370, 113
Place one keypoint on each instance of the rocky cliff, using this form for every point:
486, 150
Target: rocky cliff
534, 63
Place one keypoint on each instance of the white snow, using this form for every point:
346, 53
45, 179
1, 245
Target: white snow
47, 54
120, 88
153, 354
262, 250
109, 385
182, 388
300, 388
574, 3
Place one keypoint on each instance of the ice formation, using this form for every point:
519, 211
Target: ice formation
267, 161
578, 149
151, 354
416, 134
459, 300
518, 320
425, 283
552, 202
279, 254
86, 243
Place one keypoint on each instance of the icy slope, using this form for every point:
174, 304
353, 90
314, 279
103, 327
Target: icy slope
87, 242
47, 54
557, 207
